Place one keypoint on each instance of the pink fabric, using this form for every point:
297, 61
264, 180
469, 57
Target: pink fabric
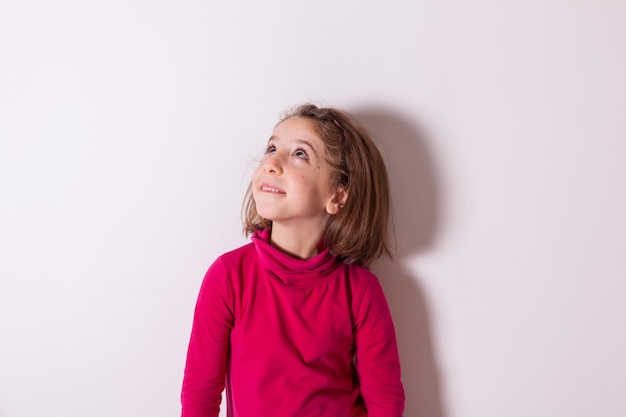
290, 337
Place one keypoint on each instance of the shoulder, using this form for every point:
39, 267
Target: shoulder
363, 284
238, 255
224, 273
231, 261
366, 287
360, 276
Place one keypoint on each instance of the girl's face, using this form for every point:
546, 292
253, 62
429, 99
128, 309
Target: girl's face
292, 185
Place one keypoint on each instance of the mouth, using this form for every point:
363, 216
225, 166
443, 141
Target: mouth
271, 189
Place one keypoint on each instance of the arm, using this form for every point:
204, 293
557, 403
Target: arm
377, 361
205, 370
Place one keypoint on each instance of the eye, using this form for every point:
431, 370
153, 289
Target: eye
270, 149
301, 153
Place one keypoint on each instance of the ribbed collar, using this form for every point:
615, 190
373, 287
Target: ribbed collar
290, 270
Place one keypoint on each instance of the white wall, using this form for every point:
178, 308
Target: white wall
129, 128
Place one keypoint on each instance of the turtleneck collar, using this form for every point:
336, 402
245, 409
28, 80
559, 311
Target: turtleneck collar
290, 270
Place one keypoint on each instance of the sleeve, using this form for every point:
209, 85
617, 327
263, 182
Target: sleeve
205, 369
377, 361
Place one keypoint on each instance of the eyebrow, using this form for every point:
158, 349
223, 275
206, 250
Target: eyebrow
300, 141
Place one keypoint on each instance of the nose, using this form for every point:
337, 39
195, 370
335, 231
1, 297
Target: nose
273, 164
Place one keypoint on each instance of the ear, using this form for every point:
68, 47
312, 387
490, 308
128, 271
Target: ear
335, 204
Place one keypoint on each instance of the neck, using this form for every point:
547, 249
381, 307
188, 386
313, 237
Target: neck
297, 242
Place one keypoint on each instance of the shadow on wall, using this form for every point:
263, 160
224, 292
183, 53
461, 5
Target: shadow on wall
415, 212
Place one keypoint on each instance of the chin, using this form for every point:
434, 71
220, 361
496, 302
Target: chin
266, 214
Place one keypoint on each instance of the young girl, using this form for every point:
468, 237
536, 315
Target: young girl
293, 324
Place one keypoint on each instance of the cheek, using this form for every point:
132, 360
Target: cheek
257, 173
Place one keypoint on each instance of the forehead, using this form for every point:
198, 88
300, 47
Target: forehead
300, 129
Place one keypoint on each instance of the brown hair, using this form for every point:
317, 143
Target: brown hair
359, 233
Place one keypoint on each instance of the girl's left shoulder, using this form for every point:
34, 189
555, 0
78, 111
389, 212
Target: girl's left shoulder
361, 275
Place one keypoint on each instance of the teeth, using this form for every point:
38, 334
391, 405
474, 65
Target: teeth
270, 189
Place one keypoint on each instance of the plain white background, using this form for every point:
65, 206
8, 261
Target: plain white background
129, 130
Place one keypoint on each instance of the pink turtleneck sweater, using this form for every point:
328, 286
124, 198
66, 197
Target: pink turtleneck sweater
289, 338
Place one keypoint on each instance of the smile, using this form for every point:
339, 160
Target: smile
271, 189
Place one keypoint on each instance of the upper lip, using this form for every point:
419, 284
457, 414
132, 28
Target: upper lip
271, 188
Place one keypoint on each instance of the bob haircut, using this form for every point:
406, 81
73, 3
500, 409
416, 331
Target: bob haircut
359, 233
